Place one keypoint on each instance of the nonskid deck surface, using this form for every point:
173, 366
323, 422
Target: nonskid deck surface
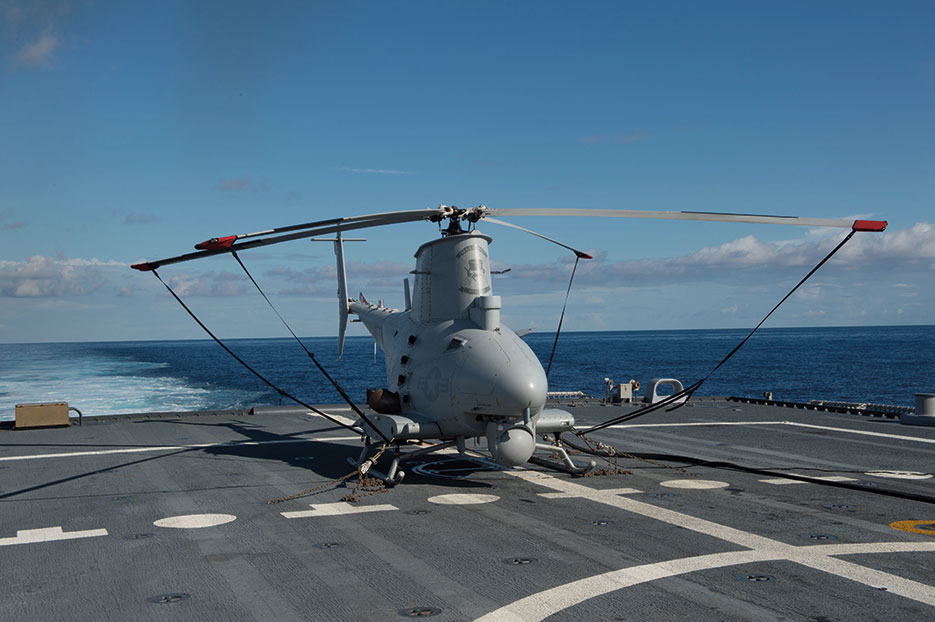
167, 518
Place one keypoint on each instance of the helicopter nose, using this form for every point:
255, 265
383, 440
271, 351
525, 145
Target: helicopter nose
521, 387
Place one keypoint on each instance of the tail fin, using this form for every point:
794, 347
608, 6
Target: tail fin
342, 292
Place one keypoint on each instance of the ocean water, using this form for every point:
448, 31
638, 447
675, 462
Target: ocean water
883, 364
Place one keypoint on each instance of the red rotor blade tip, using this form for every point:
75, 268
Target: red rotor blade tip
142, 267
216, 243
870, 225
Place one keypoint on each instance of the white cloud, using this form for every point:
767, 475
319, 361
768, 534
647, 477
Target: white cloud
810, 292
77, 261
223, 284
42, 277
379, 270
240, 184
7, 225
377, 277
745, 259
727, 280
910, 245
39, 53
376, 171
140, 219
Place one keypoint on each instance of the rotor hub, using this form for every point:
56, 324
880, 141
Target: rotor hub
455, 215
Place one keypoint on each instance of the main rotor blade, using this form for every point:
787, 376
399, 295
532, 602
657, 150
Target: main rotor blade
579, 254
858, 225
224, 242
217, 246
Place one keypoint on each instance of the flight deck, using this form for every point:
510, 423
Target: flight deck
719, 510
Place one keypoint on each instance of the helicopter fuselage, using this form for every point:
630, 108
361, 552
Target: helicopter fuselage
458, 371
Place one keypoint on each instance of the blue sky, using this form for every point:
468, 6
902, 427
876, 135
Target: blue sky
131, 131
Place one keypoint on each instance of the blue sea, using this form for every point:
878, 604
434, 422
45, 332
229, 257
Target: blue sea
882, 364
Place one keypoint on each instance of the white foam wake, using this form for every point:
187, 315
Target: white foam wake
101, 386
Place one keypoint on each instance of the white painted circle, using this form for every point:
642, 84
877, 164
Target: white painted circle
195, 521
899, 474
463, 499
694, 484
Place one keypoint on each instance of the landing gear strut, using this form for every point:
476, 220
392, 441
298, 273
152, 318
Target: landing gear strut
567, 466
394, 475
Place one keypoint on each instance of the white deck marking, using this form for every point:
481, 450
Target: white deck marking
611, 491
462, 499
900, 474
782, 481
49, 534
341, 418
151, 448
694, 484
548, 602
337, 509
900, 437
194, 521
672, 517
695, 424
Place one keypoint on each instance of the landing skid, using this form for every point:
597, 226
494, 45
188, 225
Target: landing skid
394, 475
566, 465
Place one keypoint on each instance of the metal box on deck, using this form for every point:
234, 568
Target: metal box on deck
41, 415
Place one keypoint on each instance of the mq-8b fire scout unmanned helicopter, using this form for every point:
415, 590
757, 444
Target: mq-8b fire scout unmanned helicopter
454, 371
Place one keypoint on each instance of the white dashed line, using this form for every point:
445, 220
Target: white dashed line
694, 484
341, 418
49, 534
462, 499
899, 474
139, 450
337, 509
606, 491
195, 521
782, 481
